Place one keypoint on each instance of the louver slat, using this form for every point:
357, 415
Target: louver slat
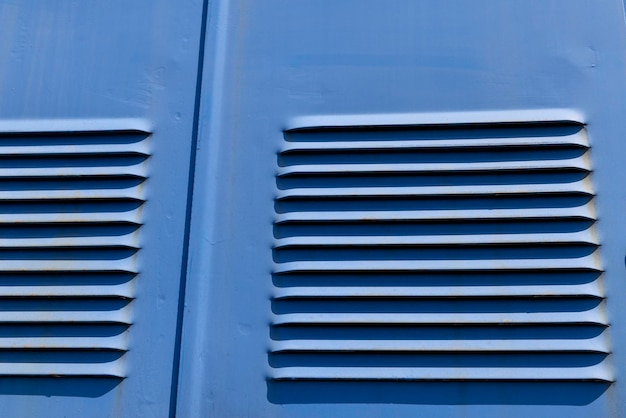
585, 289
582, 212
380, 192
385, 231
70, 206
598, 372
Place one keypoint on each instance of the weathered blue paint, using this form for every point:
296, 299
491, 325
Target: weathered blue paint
239, 208
96, 119
408, 209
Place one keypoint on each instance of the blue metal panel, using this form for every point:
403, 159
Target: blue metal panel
97, 107
408, 209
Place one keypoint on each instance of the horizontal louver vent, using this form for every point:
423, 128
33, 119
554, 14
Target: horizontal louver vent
463, 252
70, 211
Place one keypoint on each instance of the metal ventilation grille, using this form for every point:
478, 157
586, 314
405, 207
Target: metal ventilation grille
448, 252
70, 211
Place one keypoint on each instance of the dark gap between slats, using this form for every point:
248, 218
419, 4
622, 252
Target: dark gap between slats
429, 306
535, 251
436, 392
71, 183
75, 304
111, 205
439, 360
69, 253
66, 230
434, 279
92, 159
414, 332
430, 179
64, 329
44, 278
69, 356
74, 386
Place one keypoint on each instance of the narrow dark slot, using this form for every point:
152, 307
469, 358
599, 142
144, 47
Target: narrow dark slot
456, 359
415, 332
436, 278
440, 131
432, 155
425, 227
429, 306
418, 203
430, 179
533, 251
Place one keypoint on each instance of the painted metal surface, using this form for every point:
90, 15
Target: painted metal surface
399, 208
71, 215
478, 221
408, 209
96, 125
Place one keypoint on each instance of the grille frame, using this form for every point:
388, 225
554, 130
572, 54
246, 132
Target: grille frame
71, 212
295, 271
